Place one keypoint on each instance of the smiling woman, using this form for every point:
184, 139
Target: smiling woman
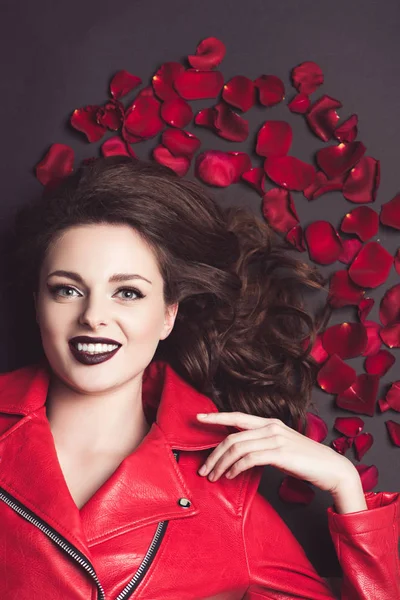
154, 305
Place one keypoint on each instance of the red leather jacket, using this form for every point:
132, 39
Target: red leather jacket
157, 530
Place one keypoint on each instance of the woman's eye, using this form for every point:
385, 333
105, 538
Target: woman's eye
56, 291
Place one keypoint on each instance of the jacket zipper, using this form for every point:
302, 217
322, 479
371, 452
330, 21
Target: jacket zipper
79, 557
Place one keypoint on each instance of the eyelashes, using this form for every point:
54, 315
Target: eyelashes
55, 289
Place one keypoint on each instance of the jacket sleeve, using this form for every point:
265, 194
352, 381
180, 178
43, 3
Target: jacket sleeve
366, 544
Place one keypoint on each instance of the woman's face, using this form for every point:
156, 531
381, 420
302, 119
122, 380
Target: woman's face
99, 308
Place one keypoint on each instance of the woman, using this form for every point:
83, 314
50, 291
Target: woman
155, 305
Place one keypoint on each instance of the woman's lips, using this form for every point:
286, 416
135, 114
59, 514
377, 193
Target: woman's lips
92, 359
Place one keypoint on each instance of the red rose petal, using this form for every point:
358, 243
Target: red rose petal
240, 92
289, 172
57, 164
364, 308
379, 363
299, 104
271, 90
116, 146
122, 83
342, 291
318, 352
335, 375
307, 77
274, 139
164, 78
323, 241
390, 335
84, 119
295, 491
342, 444
316, 429
371, 266
180, 143
349, 426
205, 118
256, 178
360, 396
374, 341
347, 131
383, 405
394, 431
196, 85
209, 54
321, 185
322, 117
390, 212
336, 160
279, 210
142, 118
362, 444
363, 181
397, 261
295, 237
349, 251
393, 396
241, 162
229, 124
111, 115
176, 112
368, 476
347, 340
179, 164
363, 221
389, 308
215, 168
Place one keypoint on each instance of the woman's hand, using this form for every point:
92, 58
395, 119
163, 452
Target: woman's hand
265, 441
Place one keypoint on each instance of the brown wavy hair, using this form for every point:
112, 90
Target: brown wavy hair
242, 335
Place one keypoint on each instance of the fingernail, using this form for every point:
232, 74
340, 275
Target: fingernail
202, 415
203, 470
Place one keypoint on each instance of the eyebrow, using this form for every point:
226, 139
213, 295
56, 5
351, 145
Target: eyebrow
117, 277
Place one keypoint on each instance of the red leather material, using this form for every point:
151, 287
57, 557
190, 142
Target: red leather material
228, 544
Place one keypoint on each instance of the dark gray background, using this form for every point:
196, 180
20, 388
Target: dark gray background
60, 56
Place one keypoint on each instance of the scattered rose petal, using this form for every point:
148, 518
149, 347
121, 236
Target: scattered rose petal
229, 124
299, 104
116, 146
374, 341
342, 291
240, 92
295, 491
179, 164
364, 308
84, 119
307, 77
389, 308
256, 178
163, 80
336, 160
347, 131
390, 212
393, 396
379, 363
350, 249
289, 172
360, 397
209, 54
215, 168
323, 241
56, 164
176, 112
363, 221
371, 266
180, 143
349, 426
318, 352
322, 117
394, 431
279, 210
111, 115
342, 444
241, 162
363, 181
397, 261
197, 85
347, 340
362, 444
368, 476
205, 118
316, 429
383, 405
390, 335
271, 90
142, 118
274, 139
335, 375
295, 237
321, 185
122, 83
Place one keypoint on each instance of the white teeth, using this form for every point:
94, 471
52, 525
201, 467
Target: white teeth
96, 348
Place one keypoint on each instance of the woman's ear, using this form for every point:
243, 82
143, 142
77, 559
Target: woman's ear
169, 320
